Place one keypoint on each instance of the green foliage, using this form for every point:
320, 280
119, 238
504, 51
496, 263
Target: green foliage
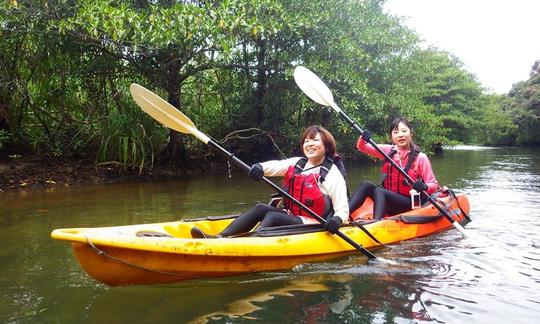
4, 138
65, 67
496, 126
129, 138
523, 105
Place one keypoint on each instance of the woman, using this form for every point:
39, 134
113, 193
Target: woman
395, 194
313, 179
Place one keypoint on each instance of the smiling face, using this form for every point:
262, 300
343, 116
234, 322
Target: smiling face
314, 149
402, 136
316, 143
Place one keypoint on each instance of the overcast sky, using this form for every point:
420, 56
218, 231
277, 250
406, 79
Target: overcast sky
497, 40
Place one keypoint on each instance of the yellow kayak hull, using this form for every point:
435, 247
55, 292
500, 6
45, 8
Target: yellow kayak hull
166, 252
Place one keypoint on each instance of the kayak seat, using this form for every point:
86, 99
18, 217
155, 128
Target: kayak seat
416, 219
285, 230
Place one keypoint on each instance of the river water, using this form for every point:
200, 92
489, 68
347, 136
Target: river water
493, 275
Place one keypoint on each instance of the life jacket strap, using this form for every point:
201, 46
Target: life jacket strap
412, 157
325, 167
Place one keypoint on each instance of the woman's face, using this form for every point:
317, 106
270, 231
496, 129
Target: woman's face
314, 149
402, 136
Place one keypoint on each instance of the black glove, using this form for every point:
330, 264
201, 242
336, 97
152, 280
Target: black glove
256, 171
366, 136
333, 224
420, 186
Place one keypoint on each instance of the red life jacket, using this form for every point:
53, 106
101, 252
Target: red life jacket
305, 188
391, 177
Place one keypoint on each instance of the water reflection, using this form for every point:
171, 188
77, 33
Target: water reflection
295, 297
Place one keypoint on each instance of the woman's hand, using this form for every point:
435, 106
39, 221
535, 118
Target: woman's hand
333, 224
256, 171
366, 136
420, 186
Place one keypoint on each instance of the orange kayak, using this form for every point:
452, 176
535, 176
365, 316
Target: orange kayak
166, 252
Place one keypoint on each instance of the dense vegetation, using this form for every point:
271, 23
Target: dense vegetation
66, 66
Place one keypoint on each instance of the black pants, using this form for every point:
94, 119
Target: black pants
385, 202
268, 216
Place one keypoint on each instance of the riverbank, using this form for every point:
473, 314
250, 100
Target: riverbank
30, 173
27, 173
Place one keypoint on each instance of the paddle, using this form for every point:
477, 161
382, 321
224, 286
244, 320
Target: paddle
317, 90
171, 117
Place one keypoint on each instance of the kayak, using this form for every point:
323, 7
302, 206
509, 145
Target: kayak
166, 252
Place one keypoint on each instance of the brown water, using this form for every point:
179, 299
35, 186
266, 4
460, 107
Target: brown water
492, 276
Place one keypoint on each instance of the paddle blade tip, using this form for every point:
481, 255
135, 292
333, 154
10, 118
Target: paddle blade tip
313, 87
134, 87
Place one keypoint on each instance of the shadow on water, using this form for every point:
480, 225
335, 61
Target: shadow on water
492, 276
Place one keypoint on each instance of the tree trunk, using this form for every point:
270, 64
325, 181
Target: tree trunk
325, 118
175, 152
261, 82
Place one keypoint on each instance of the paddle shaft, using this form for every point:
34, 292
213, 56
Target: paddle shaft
405, 174
285, 194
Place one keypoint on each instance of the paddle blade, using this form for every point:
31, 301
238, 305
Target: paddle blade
314, 87
164, 112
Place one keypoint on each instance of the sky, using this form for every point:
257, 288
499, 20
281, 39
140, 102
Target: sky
497, 40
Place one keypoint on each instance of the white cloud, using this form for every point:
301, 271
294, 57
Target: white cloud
497, 40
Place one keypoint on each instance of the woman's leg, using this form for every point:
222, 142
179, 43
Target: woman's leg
246, 221
274, 218
387, 202
364, 190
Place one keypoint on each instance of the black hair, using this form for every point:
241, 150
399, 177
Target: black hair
394, 124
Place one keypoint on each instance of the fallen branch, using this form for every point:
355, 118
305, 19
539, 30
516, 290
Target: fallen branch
238, 135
